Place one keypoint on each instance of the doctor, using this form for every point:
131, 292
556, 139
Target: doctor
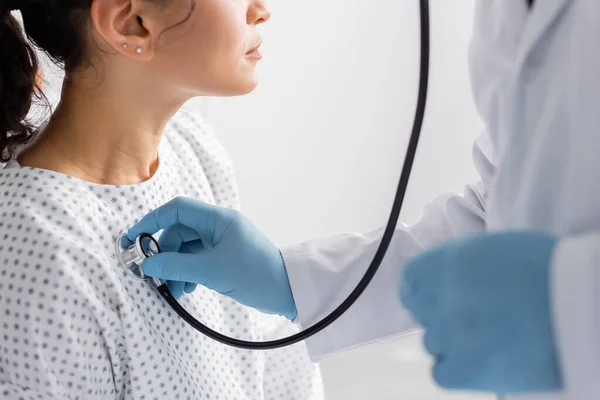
504, 278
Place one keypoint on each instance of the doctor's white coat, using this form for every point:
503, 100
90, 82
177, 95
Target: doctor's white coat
536, 81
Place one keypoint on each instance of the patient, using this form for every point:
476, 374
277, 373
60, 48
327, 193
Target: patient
73, 325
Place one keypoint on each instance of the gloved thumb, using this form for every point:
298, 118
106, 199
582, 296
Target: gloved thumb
177, 267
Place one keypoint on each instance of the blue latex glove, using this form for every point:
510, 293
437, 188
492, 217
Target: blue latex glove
484, 304
218, 248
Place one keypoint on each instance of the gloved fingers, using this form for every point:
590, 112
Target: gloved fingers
433, 341
180, 267
125, 242
420, 288
407, 295
151, 223
191, 213
174, 236
425, 312
193, 247
189, 287
423, 273
455, 372
176, 288
412, 303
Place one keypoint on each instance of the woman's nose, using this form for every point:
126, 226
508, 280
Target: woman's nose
259, 12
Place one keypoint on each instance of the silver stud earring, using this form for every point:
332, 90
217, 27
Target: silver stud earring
124, 45
138, 50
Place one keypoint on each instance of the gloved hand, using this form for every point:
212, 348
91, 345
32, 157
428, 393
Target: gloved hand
220, 249
484, 303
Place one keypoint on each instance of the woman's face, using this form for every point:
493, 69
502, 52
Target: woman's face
211, 53
207, 52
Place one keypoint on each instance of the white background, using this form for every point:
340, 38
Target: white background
319, 145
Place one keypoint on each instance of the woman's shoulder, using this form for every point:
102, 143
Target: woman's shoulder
54, 284
48, 248
40, 218
33, 193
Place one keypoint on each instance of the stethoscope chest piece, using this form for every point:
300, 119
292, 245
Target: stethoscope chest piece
132, 257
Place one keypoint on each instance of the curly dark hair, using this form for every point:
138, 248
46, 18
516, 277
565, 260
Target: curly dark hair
55, 27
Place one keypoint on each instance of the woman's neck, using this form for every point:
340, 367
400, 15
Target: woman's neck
107, 135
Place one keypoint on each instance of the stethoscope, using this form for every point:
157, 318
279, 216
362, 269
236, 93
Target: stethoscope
146, 246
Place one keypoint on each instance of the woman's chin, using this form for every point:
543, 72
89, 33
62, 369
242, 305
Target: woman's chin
243, 88
232, 88
249, 89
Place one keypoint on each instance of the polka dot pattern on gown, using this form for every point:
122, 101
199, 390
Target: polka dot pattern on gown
74, 325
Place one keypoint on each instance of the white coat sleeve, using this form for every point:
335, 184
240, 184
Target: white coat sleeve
325, 270
575, 293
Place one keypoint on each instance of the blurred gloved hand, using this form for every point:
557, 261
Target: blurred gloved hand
485, 307
218, 248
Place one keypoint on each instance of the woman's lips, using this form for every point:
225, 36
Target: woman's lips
254, 54
255, 51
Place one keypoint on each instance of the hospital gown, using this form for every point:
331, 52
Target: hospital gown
74, 325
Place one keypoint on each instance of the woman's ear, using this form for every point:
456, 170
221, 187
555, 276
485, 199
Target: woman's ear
127, 26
